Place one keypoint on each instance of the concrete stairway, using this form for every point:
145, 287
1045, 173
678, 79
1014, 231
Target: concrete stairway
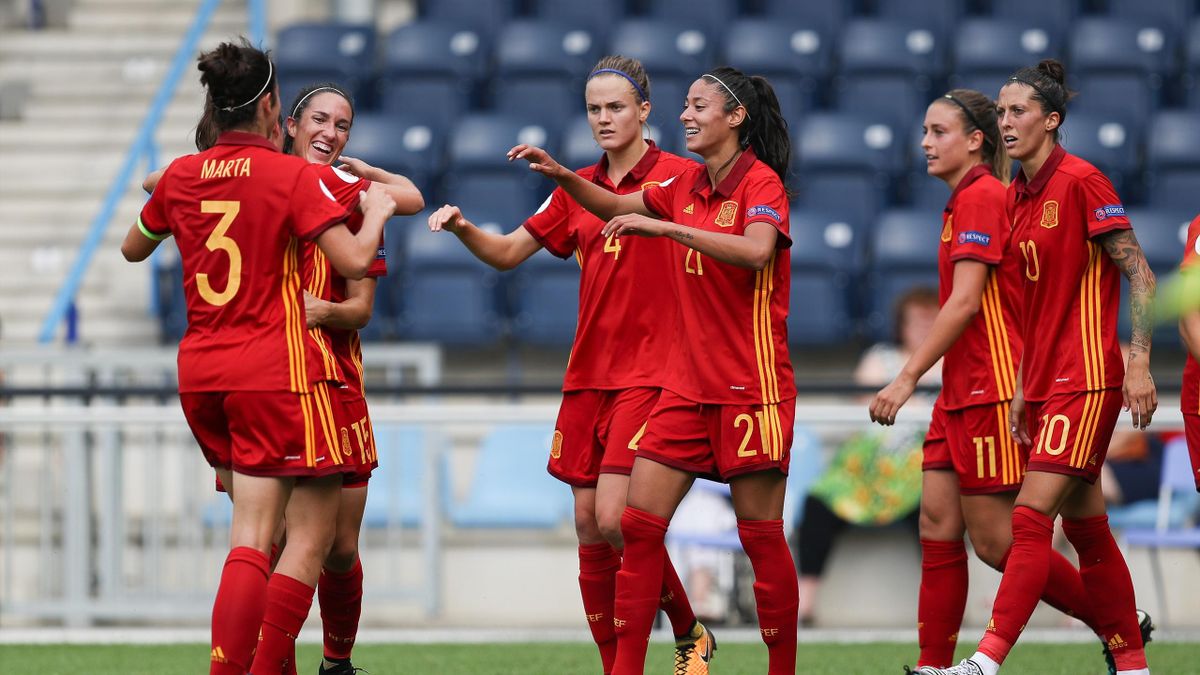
91, 87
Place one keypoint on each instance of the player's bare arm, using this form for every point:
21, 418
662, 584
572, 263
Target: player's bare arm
752, 250
1141, 397
352, 254
501, 251
353, 313
604, 204
970, 276
403, 191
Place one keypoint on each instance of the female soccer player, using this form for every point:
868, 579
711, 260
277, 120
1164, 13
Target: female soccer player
616, 367
972, 464
1066, 217
1189, 330
729, 394
248, 376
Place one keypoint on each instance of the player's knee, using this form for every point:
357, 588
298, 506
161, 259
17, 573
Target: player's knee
939, 524
610, 528
990, 551
586, 527
342, 554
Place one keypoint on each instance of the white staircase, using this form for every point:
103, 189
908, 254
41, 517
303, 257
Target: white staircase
91, 87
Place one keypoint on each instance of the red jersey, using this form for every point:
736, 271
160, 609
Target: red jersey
980, 366
1072, 289
1190, 396
732, 332
238, 211
341, 349
625, 294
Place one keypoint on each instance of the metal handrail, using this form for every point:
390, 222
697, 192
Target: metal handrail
142, 148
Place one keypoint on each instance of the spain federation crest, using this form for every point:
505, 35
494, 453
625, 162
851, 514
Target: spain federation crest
1050, 214
727, 214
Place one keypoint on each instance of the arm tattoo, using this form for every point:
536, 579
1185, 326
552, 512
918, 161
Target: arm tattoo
682, 236
1122, 246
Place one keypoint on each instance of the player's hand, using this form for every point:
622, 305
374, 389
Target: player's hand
634, 223
890, 399
448, 218
1139, 393
376, 199
314, 310
355, 166
1017, 425
539, 160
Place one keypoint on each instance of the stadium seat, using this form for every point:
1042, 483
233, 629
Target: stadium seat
399, 143
1166, 14
511, 488
940, 14
1191, 75
540, 70
845, 162
924, 191
389, 291
1053, 15
1119, 65
483, 15
713, 15
598, 16
673, 54
903, 255
396, 495
888, 65
172, 304
1111, 144
826, 252
545, 297
479, 177
1173, 159
795, 71
824, 16
1162, 234
430, 70
309, 53
447, 294
996, 48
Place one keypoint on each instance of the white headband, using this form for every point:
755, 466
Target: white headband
270, 73
735, 98
318, 89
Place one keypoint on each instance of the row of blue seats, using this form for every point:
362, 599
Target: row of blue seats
536, 68
855, 164
845, 280
509, 488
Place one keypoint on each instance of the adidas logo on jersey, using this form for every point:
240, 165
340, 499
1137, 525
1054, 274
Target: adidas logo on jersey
991, 627
690, 208
1115, 642
218, 655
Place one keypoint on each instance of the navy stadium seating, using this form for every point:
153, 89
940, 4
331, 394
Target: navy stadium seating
924, 191
390, 289
479, 177
904, 255
1108, 142
1191, 63
511, 488
996, 48
448, 295
888, 65
1168, 14
1118, 66
483, 15
308, 53
713, 15
1173, 159
939, 14
795, 58
674, 55
1053, 15
1162, 234
824, 16
430, 70
545, 297
540, 70
845, 162
825, 257
596, 15
399, 143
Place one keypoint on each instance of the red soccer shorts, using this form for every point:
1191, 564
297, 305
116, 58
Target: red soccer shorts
936, 452
979, 446
356, 438
719, 441
597, 432
1191, 427
1071, 432
265, 433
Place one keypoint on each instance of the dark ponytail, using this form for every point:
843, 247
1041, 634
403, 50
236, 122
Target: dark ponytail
764, 128
1048, 81
236, 77
977, 111
206, 128
300, 104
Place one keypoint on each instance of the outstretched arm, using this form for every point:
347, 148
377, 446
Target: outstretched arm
403, 191
502, 251
603, 204
1141, 397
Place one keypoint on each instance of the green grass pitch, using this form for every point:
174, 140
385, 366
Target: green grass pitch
568, 659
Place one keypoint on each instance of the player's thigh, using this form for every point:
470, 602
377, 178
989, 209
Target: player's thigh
657, 488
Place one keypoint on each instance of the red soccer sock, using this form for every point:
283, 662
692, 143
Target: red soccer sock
288, 602
1106, 577
941, 601
776, 593
674, 600
598, 565
340, 595
1024, 581
1064, 589
638, 586
275, 551
238, 611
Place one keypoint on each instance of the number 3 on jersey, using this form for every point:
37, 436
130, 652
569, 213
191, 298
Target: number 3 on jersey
219, 241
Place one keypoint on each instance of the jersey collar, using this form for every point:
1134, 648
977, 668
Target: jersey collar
731, 180
1033, 187
978, 171
245, 138
636, 174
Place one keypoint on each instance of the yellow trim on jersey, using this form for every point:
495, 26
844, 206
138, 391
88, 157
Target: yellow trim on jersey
758, 352
770, 336
764, 345
293, 319
310, 432
328, 422
1086, 434
316, 286
356, 357
997, 332
1090, 321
